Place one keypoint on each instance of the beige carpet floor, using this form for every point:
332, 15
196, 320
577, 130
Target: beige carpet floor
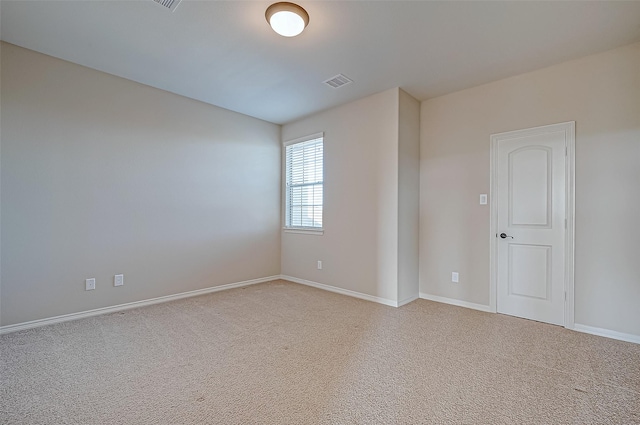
283, 353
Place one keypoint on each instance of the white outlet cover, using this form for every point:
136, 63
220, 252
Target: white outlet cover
319, 265
483, 199
118, 280
455, 278
90, 284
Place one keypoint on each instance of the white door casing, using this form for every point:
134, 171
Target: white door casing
532, 223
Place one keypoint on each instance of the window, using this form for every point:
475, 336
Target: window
304, 177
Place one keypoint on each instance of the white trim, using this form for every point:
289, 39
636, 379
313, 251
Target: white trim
341, 291
569, 312
136, 304
303, 139
493, 226
570, 136
607, 333
304, 230
408, 300
455, 302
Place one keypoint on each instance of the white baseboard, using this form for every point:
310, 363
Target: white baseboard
408, 300
337, 290
455, 302
105, 310
607, 333
136, 304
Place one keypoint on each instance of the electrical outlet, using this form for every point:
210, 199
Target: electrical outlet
483, 199
118, 280
90, 284
455, 278
319, 265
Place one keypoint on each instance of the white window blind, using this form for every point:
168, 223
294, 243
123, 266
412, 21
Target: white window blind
304, 183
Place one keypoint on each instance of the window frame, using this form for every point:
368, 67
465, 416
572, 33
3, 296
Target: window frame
300, 229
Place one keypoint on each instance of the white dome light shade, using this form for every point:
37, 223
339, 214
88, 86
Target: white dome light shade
286, 23
287, 19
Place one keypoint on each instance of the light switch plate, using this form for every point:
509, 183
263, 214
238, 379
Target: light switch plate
483, 199
455, 278
118, 280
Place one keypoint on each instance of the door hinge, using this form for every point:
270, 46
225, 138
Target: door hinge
565, 223
565, 295
566, 151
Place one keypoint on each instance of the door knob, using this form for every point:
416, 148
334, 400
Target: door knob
504, 236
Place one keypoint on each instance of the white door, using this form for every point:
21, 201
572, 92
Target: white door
531, 222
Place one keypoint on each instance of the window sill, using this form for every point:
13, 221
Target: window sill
304, 231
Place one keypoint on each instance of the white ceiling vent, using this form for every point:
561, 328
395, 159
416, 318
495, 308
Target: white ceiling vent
338, 81
169, 4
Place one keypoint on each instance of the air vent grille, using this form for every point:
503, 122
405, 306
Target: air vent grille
169, 4
338, 81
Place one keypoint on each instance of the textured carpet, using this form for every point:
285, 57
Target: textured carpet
282, 353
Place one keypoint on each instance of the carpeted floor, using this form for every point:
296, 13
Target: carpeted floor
283, 353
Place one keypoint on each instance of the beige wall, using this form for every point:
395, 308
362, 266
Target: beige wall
360, 245
408, 196
356, 248
101, 175
602, 94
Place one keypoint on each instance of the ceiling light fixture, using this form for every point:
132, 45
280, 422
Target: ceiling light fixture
287, 19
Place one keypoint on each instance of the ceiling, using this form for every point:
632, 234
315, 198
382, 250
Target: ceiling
224, 53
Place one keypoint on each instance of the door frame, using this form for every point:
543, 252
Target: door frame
569, 129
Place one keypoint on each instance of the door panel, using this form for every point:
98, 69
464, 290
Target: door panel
530, 271
531, 213
530, 186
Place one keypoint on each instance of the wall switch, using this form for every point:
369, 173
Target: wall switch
90, 284
454, 277
483, 199
319, 265
118, 280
